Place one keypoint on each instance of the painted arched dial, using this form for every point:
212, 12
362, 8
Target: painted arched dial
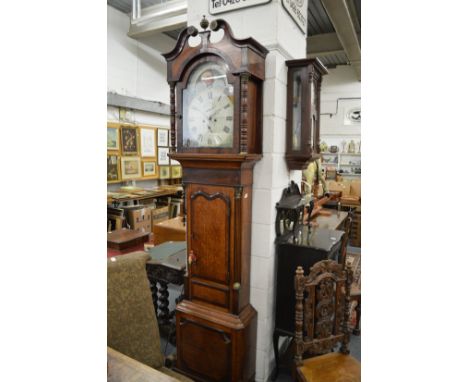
208, 107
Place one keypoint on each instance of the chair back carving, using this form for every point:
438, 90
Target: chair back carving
345, 239
322, 309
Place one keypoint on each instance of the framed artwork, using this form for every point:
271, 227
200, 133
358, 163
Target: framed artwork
163, 137
147, 142
113, 142
163, 158
113, 173
164, 172
176, 172
129, 140
350, 112
150, 169
174, 162
131, 168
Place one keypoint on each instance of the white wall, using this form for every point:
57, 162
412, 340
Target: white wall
341, 82
135, 67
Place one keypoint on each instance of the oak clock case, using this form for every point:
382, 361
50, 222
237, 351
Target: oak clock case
303, 112
216, 126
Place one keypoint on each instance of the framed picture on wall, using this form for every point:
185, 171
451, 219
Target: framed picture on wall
174, 162
163, 137
131, 168
164, 172
113, 142
147, 142
176, 172
129, 140
163, 158
150, 169
113, 173
350, 112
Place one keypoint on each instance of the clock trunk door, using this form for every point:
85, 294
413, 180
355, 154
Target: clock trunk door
210, 244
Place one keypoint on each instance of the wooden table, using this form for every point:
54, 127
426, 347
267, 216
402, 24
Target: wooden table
169, 230
167, 265
125, 240
121, 368
130, 196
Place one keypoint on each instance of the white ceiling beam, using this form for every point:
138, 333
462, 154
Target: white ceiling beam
159, 18
340, 17
323, 44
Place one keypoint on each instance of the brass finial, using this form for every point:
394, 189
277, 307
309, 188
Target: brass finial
204, 23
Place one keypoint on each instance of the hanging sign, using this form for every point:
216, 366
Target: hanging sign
298, 11
221, 6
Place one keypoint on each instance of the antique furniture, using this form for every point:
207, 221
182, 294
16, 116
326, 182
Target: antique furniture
169, 230
125, 240
115, 219
353, 260
216, 118
322, 316
303, 112
303, 246
121, 368
132, 328
167, 265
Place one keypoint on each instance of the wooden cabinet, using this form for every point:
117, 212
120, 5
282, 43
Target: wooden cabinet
214, 345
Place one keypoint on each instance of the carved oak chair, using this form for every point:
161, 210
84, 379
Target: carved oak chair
322, 316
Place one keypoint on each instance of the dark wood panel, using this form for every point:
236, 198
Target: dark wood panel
210, 294
204, 350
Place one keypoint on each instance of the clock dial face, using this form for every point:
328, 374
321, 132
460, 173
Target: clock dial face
208, 108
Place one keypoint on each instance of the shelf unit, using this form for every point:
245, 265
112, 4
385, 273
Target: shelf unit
340, 161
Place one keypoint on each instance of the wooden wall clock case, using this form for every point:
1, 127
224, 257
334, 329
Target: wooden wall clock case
219, 139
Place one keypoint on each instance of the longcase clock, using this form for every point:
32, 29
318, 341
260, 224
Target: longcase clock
216, 126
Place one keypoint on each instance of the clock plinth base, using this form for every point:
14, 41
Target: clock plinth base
213, 345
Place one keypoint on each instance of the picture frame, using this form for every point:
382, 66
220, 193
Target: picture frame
129, 139
150, 169
164, 172
130, 168
163, 137
163, 158
147, 142
113, 168
113, 139
176, 172
174, 162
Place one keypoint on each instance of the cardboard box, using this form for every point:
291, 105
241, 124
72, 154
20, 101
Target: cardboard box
143, 226
139, 217
159, 214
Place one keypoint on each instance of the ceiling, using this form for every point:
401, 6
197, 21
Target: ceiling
333, 30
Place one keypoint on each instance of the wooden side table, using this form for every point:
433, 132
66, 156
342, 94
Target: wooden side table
167, 265
169, 230
124, 241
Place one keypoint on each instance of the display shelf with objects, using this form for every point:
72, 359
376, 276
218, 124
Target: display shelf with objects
346, 164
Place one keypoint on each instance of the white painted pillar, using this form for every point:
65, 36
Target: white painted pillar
270, 25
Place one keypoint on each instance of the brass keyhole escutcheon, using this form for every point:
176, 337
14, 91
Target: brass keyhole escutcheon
236, 286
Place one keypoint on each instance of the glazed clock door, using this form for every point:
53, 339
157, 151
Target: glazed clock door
208, 107
210, 244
